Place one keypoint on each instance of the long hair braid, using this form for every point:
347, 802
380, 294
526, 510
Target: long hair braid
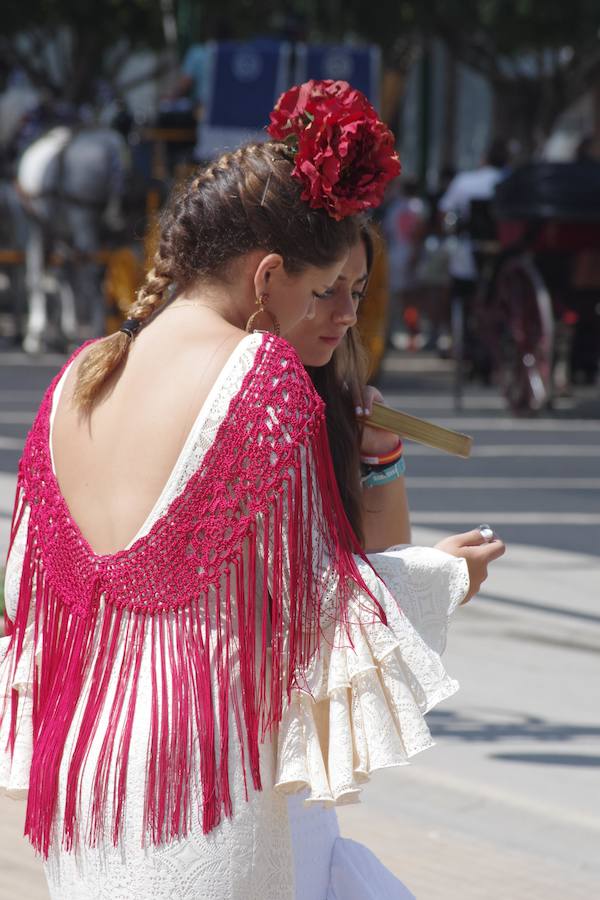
151, 295
245, 200
103, 358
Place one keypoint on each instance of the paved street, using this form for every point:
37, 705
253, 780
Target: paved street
506, 805
536, 480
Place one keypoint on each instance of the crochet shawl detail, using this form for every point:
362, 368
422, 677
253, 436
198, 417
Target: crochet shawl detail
260, 520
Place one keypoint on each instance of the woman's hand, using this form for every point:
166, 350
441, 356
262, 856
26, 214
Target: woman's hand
477, 552
375, 441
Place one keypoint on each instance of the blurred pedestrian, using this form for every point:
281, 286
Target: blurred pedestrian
404, 229
584, 356
70, 181
475, 184
192, 82
456, 204
187, 97
586, 150
433, 270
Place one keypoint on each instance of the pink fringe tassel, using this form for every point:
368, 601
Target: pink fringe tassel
239, 609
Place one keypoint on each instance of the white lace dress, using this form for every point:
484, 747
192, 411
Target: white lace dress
365, 712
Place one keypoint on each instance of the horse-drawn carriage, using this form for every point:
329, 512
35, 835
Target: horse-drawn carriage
538, 312
73, 208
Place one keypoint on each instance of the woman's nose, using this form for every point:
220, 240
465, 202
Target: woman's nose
345, 310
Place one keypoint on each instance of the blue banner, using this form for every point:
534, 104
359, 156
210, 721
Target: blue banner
360, 66
243, 83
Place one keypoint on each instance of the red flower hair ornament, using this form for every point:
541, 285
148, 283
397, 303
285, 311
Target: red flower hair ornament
345, 155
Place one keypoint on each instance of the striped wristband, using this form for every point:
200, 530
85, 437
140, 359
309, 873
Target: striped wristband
375, 476
386, 459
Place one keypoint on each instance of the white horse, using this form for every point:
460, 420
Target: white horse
69, 180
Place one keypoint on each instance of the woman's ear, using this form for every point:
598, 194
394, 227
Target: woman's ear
269, 267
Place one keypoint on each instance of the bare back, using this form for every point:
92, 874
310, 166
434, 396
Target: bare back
113, 466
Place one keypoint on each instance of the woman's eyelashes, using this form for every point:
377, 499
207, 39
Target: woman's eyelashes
358, 293
360, 288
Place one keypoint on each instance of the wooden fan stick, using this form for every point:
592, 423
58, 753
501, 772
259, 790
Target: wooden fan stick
420, 430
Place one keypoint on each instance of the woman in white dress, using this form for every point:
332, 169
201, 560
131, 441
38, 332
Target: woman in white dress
377, 506
162, 693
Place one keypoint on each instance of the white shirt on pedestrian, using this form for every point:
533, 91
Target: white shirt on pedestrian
478, 184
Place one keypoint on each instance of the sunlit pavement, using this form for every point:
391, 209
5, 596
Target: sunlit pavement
505, 806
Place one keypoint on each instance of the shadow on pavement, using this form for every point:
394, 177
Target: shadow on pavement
473, 729
551, 759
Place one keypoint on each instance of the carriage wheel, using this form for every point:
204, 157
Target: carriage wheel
522, 336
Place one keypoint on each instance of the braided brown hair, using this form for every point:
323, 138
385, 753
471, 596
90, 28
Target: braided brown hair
245, 200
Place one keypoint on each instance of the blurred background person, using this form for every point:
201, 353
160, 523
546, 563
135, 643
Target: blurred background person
456, 205
475, 184
432, 274
404, 229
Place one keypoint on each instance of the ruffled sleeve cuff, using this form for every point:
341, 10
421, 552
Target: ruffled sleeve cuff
366, 705
428, 585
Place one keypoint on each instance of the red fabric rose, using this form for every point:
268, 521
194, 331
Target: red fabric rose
345, 155
295, 107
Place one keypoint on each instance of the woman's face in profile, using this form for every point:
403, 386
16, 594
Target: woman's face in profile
316, 338
293, 297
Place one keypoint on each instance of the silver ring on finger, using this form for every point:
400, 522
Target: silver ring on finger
487, 533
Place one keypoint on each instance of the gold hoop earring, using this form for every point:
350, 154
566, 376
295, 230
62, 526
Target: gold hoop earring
261, 302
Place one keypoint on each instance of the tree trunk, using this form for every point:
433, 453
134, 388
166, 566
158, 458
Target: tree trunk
525, 111
515, 116
448, 154
595, 91
393, 86
396, 66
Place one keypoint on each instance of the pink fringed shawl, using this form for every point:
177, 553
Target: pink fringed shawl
198, 572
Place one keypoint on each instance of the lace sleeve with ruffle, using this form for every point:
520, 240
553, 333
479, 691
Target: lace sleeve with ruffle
366, 694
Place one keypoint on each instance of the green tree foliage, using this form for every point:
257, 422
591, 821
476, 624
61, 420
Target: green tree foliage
538, 55
65, 46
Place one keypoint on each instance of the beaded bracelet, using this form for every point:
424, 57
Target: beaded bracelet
375, 476
386, 459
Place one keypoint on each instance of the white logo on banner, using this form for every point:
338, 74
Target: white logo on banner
247, 65
338, 65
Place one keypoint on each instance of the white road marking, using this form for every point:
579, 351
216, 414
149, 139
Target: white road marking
535, 451
443, 401
489, 423
505, 518
51, 360
9, 443
475, 788
22, 394
14, 417
520, 484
